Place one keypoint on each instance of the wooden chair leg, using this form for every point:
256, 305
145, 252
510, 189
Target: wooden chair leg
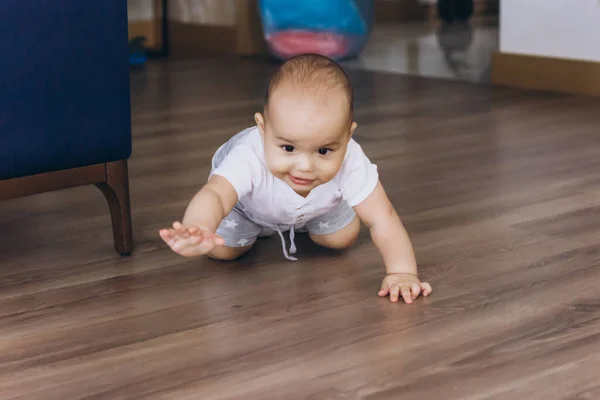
116, 191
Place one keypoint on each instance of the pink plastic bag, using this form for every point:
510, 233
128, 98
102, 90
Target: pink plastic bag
289, 43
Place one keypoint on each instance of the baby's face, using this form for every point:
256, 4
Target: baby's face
305, 138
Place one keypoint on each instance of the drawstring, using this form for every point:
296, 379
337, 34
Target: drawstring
292, 244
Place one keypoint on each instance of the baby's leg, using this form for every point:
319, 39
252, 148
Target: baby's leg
224, 253
239, 233
338, 229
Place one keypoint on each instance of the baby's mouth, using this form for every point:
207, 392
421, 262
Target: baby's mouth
301, 181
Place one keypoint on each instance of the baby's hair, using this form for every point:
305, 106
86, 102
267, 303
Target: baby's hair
313, 72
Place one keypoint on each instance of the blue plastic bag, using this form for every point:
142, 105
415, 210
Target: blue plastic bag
335, 28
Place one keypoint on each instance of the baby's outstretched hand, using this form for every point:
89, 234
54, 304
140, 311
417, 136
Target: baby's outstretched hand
192, 241
406, 285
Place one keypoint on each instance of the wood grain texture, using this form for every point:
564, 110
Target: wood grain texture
498, 188
116, 191
55, 180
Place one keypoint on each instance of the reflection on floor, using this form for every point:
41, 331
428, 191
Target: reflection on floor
453, 52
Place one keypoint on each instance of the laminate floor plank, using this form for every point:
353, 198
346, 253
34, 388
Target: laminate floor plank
498, 188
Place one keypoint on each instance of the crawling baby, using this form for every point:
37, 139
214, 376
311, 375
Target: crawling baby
298, 170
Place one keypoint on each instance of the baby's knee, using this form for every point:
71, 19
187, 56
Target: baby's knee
224, 253
341, 243
341, 239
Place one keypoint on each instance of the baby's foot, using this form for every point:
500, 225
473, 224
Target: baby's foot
190, 242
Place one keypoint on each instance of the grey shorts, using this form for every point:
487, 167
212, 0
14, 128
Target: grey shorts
239, 231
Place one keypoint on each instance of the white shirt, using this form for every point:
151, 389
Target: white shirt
269, 201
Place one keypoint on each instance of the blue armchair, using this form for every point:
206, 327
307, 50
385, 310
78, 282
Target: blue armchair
64, 102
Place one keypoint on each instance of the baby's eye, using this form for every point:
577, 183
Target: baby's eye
288, 148
324, 151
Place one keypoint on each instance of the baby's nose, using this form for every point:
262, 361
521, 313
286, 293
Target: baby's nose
304, 164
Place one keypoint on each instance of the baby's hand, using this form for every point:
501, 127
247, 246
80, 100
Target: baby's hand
407, 285
190, 242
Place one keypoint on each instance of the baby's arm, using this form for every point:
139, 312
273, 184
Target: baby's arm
390, 237
196, 236
211, 204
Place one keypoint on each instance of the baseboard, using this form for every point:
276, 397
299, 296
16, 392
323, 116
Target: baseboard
546, 74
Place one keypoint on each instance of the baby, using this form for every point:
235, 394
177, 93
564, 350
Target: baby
298, 170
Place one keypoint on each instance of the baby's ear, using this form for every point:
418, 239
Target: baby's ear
260, 122
353, 128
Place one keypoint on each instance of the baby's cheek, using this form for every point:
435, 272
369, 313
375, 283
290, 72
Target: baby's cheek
278, 165
330, 169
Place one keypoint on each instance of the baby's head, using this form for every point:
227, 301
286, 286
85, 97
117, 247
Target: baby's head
307, 121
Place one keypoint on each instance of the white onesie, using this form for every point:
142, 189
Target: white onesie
266, 201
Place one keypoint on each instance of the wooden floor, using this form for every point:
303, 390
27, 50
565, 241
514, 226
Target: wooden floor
499, 190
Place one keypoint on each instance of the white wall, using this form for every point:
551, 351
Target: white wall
208, 12
140, 10
551, 28
205, 12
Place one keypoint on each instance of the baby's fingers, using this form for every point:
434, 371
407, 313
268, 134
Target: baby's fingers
208, 236
385, 289
167, 234
415, 288
426, 288
213, 239
184, 242
406, 295
394, 293
181, 230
